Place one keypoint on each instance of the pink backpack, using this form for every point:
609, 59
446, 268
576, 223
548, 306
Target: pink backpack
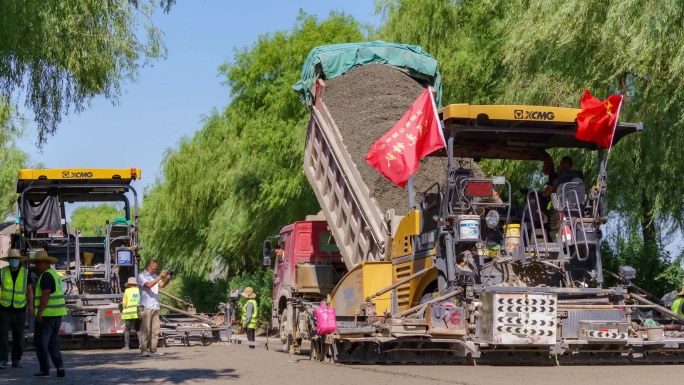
326, 322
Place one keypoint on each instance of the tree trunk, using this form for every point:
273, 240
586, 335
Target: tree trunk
648, 229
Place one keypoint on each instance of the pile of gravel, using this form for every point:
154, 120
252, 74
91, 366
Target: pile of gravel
365, 103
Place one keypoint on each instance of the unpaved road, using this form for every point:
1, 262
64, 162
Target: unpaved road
226, 364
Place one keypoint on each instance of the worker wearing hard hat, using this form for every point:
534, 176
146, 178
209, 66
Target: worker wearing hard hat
131, 301
50, 306
678, 304
16, 294
249, 315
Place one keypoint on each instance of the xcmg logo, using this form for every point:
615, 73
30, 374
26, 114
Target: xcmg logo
534, 115
77, 174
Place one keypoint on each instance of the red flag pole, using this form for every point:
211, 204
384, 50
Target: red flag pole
612, 138
617, 116
602, 178
439, 121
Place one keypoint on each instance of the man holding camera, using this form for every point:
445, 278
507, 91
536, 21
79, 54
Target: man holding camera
150, 283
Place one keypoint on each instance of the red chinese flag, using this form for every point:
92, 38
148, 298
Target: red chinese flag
597, 120
397, 154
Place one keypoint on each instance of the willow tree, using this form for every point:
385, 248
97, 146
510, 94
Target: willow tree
62, 53
11, 160
239, 178
464, 37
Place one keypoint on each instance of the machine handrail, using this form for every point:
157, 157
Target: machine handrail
568, 211
541, 222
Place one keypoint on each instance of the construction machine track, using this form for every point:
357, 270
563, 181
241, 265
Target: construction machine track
368, 351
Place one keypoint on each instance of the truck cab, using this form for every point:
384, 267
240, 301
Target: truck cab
309, 267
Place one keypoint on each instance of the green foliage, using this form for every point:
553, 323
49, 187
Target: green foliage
12, 159
202, 293
464, 37
239, 179
91, 221
673, 275
62, 53
649, 263
206, 294
262, 283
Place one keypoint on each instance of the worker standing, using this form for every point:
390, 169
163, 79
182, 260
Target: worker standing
249, 315
131, 300
678, 304
150, 283
49, 308
16, 293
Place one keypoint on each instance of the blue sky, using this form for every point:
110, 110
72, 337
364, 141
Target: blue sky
170, 98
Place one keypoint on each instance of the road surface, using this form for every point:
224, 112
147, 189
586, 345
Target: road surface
225, 363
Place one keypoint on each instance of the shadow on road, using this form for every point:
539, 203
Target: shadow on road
123, 367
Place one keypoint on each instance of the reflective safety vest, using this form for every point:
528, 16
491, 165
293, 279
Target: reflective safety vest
252, 321
56, 305
677, 306
132, 296
13, 293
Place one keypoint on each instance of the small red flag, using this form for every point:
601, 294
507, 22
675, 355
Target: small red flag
397, 154
597, 120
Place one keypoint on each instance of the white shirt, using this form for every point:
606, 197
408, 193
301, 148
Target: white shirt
149, 297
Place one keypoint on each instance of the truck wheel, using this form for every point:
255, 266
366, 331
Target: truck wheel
285, 338
286, 333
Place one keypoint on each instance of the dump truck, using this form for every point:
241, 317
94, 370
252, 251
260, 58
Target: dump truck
306, 273
94, 269
471, 274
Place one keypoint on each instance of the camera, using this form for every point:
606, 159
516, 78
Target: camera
169, 272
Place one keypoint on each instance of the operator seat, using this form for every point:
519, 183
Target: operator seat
571, 182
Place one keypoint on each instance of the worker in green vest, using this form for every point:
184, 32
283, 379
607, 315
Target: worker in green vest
678, 304
131, 301
16, 293
49, 309
249, 314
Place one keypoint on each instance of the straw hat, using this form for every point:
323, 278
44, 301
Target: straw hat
681, 292
14, 254
42, 256
249, 293
131, 282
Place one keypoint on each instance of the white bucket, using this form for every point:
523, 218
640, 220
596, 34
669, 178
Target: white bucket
655, 334
469, 227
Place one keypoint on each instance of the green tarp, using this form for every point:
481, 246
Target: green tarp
330, 61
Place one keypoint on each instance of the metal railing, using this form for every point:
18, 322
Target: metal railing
528, 209
570, 205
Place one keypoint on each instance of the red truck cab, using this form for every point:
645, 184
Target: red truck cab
310, 267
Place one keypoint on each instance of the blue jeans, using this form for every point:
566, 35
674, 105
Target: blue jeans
46, 341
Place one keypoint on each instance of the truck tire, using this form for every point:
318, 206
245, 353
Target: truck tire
284, 329
286, 333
